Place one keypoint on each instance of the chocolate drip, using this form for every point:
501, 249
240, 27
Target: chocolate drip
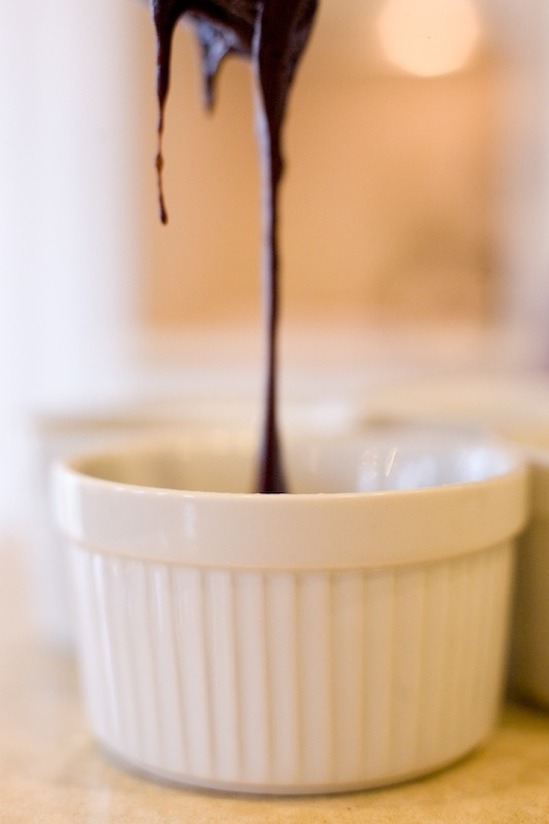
272, 34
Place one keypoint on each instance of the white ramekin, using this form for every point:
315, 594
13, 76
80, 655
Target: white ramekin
59, 434
332, 639
516, 406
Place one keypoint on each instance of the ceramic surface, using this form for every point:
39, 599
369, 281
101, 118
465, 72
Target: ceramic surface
313, 642
58, 435
517, 407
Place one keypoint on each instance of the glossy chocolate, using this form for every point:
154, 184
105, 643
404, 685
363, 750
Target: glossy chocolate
272, 34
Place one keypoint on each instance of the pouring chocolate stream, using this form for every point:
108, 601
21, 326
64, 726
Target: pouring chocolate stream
272, 34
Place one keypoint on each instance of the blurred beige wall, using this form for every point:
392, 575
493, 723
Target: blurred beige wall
388, 202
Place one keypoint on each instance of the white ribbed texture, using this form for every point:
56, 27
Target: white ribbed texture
292, 681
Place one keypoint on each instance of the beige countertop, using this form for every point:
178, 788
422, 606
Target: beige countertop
52, 773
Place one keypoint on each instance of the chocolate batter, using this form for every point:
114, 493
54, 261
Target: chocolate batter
272, 34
